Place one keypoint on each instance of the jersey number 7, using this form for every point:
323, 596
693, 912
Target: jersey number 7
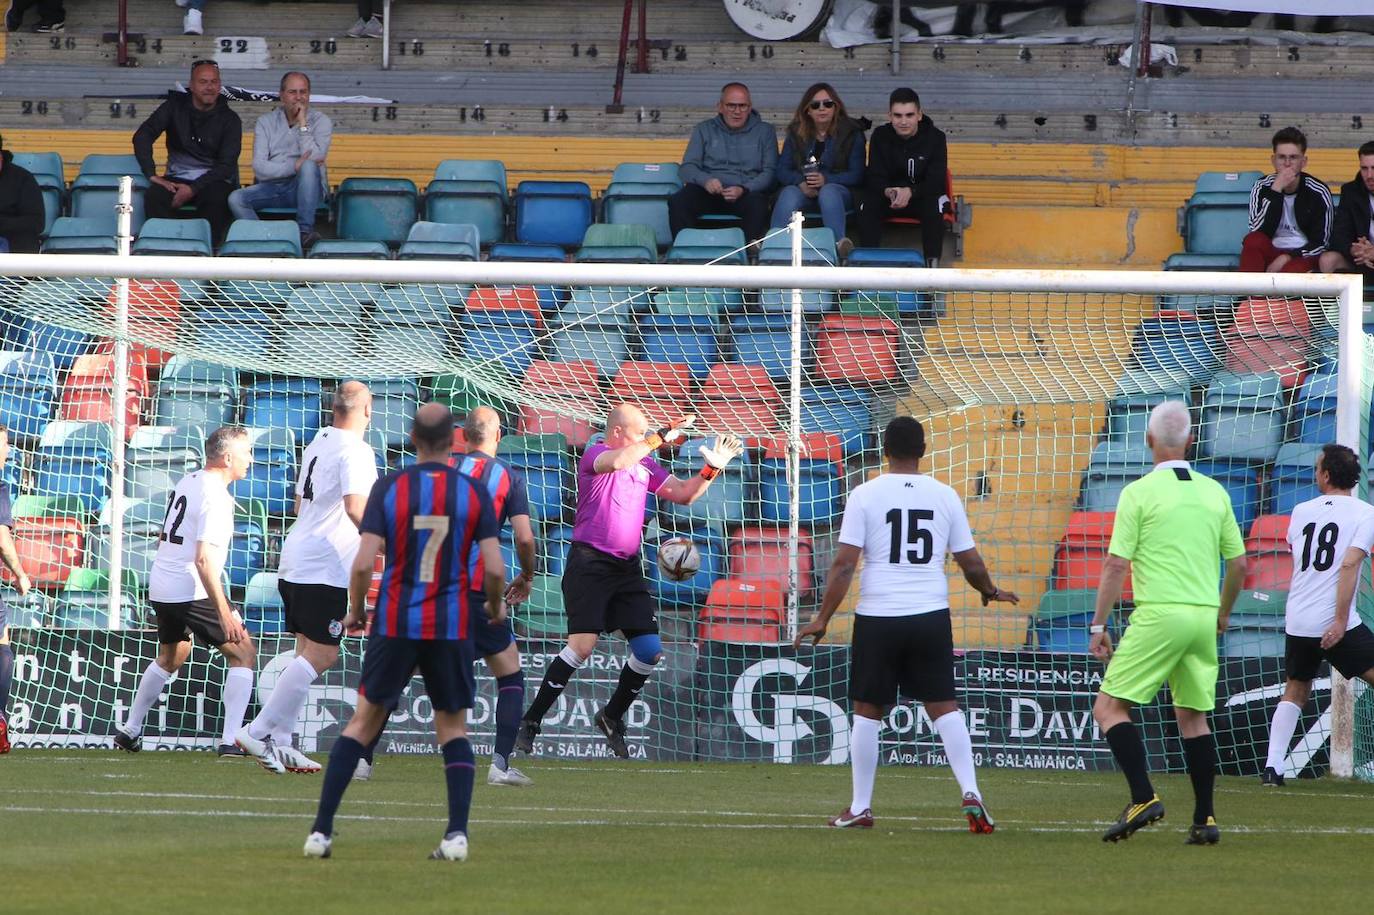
913, 534
437, 525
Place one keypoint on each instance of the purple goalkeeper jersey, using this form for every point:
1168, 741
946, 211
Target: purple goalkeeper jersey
610, 506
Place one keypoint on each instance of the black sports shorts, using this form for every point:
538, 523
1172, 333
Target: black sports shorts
177, 621
314, 611
604, 593
1352, 655
912, 656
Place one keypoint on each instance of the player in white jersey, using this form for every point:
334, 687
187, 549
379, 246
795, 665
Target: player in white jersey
336, 475
186, 591
902, 523
1330, 538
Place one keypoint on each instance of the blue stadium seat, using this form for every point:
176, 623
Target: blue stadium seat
73, 459
1177, 344
1112, 466
1061, 621
689, 339
548, 469
247, 554
96, 196
818, 248
551, 548
376, 209
296, 404
64, 344
73, 235
273, 474
819, 491
507, 335
442, 241
343, 249
1241, 481
552, 212
885, 257
1215, 222
1242, 417
1291, 480
1226, 182
814, 301
262, 238
118, 164
323, 323
174, 237
1137, 393
729, 500
605, 301
471, 202
687, 595
846, 412
1203, 262
603, 340
44, 164
263, 612
520, 251
196, 394
766, 340
246, 331
28, 393
159, 456
1314, 409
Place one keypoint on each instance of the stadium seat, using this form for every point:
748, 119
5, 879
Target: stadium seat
766, 340
1081, 552
1226, 182
1270, 559
296, 404
1113, 466
1314, 410
635, 173
761, 553
741, 399
1242, 417
45, 164
159, 456
542, 616
490, 170
344, 249
820, 482
376, 209
818, 249
196, 393
472, 192
701, 246
263, 611
97, 196
1203, 262
246, 331
142, 526
548, 470
73, 459
646, 204
570, 390
683, 338
119, 164
690, 593
322, 324
1216, 217
73, 235
272, 477
1061, 620
394, 402
46, 168
475, 385
602, 341
880, 303
1292, 482
522, 252
619, 243
86, 395
552, 212
742, 611
1137, 393
174, 237
605, 301
885, 257
708, 302
262, 238
662, 389
84, 601
1177, 344
504, 335
49, 547
1209, 306
843, 410
730, 500
1270, 335
853, 350
247, 554
1257, 626
442, 241
551, 548
28, 392
155, 314
64, 344
1240, 479
814, 301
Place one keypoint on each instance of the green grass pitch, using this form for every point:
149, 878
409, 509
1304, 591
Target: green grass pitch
84, 832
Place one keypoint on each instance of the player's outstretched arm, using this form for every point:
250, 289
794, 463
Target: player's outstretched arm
370, 547
626, 456
715, 458
976, 574
837, 584
1346, 580
1109, 586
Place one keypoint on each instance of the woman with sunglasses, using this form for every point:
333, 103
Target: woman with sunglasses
822, 162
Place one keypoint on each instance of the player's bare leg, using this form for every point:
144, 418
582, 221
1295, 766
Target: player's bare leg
510, 700
580, 647
159, 672
1113, 717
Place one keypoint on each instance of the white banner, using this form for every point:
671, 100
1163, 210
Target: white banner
1295, 7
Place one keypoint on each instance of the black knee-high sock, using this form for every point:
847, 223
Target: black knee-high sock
6, 675
633, 676
459, 772
1129, 751
343, 759
1201, 754
560, 672
510, 699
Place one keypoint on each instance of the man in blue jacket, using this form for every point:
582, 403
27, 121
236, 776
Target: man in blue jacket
728, 167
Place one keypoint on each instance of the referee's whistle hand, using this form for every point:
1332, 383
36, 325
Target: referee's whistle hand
1100, 646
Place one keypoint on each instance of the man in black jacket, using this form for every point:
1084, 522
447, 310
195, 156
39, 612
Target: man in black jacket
204, 137
1290, 212
907, 166
1352, 231
21, 206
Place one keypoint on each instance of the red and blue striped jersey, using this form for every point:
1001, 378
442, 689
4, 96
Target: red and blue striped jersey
431, 517
505, 485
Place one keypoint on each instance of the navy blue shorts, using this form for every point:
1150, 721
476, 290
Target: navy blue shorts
446, 665
487, 638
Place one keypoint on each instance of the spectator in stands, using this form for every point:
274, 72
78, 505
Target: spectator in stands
822, 163
1290, 213
191, 25
289, 148
369, 24
1353, 227
21, 207
728, 167
204, 137
52, 16
908, 162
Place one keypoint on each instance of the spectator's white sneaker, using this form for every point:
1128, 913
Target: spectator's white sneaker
363, 772
191, 25
510, 776
356, 30
373, 29
296, 761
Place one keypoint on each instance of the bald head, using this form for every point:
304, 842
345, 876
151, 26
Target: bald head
432, 432
352, 406
482, 429
625, 425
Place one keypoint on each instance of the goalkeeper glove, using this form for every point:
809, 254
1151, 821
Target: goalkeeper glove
725, 450
670, 433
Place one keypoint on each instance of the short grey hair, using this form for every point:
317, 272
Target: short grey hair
221, 440
1170, 424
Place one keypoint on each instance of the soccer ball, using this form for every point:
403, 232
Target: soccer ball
679, 558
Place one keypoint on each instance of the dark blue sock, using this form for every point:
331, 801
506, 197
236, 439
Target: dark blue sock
459, 771
7, 673
510, 700
343, 759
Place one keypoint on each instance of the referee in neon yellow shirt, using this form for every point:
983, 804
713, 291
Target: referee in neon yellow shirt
1171, 526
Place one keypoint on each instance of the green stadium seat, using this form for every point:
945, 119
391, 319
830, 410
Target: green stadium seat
1061, 620
622, 243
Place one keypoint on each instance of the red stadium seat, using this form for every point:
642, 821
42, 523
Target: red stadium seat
816, 446
739, 611
855, 349
662, 389
571, 387
506, 298
154, 314
86, 394
760, 554
1081, 552
1270, 565
951, 216
1270, 335
49, 548
741, 399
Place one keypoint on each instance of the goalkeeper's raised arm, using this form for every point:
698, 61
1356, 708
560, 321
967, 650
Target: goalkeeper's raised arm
628, 424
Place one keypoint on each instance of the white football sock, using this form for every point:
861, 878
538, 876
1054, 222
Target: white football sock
283, 707
149, 688
863, 761
238, 689
1281, 730
958, 750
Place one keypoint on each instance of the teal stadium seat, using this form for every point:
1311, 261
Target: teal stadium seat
159, 456
818, 249
104, 164
96, 196
263, 610
701, 246
472, 193
623, 243
1137, 393
174, 237
1217, 216
262, 238
442, 241
343, 249
1242, 417
76, 235
376, 209
1113, 466
46, 168
638, 195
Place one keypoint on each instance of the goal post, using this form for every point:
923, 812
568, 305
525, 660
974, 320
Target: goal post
1032, 384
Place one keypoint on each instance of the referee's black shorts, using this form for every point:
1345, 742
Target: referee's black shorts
604, 593
912, 656
314, 611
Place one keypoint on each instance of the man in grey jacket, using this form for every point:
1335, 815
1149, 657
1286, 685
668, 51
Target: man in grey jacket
289, 149
728, 167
